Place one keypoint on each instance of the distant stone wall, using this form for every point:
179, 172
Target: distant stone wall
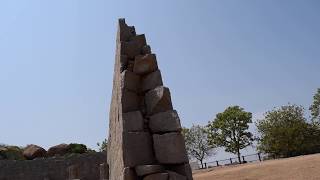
79, 166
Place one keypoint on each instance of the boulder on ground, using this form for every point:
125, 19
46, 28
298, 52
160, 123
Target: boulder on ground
33, 151
60, 150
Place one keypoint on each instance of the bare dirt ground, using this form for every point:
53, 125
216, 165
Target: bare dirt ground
296, 168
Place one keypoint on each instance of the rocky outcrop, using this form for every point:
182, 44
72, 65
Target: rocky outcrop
33, 151
145, 141
59, 150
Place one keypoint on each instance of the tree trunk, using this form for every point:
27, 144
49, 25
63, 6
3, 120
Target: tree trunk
201, 164
239, 158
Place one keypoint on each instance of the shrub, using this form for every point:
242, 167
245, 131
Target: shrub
78, 148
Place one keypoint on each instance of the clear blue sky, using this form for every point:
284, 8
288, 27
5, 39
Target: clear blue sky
56, 60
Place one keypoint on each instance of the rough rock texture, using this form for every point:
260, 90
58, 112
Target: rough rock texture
170, 148
143, 170
151, 81
158, 100
59, 150
33, 151
145, 64
133, 121
176, 176
141, 143
138, 149
167, 121
158, 176
84, 166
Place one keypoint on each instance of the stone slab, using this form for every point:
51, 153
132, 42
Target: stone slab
170, 148
158, 100
158, 176
132, 121
176, 176
137, 149
130, 81
130, 101
183, 169
144, 170
151, 81
145, 64
167, 121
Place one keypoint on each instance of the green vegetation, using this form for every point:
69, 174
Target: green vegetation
315, 108
285, 132
197, 145
230, 130
103, 146
78, 148
11, 152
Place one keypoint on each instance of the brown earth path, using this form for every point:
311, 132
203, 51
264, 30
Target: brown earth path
296, 168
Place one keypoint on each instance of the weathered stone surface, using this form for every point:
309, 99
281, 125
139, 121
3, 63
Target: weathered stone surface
33, 151
133, 47
170, 148
104, 173
146, 50
151, 81
167, 121
145, 64
53, 168
158, 176
123, 63
129, 174
126, 32
183, 169
176, 176
60, 149
158, 100
148, 169
137, 149
132, 121
73, 172
130, 101
130, 81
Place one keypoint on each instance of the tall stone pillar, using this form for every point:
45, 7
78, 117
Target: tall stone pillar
145, 140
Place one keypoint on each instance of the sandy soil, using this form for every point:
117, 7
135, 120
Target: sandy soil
296, 168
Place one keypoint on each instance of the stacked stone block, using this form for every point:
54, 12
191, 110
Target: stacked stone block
145, 140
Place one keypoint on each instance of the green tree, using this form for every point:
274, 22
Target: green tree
197, 145
103, 146
284, 132
78, 148
230, 130
315, 108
